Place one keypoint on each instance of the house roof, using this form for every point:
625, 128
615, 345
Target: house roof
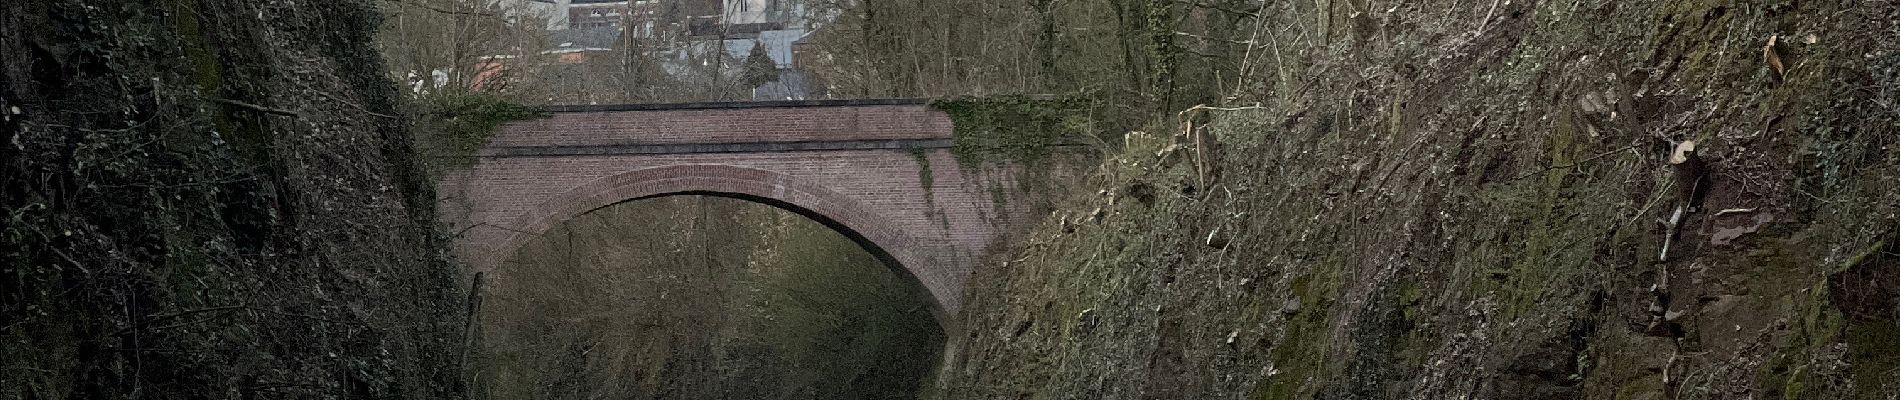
597, 37
790, 85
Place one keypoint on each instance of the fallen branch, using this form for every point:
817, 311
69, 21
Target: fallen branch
159, 318
470, 330
1486, 23
1773, 59
1205, 107
1671, 226
1688, 171
1201, 169
258, 108
358, 107
1214, 39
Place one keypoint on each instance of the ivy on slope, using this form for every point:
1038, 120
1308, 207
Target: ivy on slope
451, 128
1015, 128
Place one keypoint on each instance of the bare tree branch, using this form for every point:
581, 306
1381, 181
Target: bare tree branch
1217, 7
258, 108
439, 9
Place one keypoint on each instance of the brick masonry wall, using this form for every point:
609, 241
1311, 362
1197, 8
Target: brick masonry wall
935, 234
730, 125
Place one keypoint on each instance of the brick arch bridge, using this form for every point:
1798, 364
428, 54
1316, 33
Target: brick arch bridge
879, 171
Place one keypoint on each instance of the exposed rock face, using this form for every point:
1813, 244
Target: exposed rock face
208, 199
1473, 200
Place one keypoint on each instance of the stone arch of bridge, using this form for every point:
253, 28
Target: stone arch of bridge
899, 250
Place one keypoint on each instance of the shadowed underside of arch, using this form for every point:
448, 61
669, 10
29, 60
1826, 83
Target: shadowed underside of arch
863, 224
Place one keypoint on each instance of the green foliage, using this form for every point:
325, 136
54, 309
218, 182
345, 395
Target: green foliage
759, 68
824, 301
703, 297
1022, 129
924, 176
1875, 354
451, 128
1302, 357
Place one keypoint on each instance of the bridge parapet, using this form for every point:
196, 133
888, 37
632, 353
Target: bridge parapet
752, 122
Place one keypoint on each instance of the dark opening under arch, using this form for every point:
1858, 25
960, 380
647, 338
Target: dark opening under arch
903, 253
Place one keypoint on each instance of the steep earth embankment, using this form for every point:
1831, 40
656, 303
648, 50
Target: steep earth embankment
213, 199
1478, 200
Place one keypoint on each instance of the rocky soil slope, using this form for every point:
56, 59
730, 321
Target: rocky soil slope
1485, 199
213, 199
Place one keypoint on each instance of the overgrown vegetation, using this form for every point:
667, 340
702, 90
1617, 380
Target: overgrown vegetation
1014, 128
1136, 61
210, 199
452, 127
702, 297
1463, 201
1389, 199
